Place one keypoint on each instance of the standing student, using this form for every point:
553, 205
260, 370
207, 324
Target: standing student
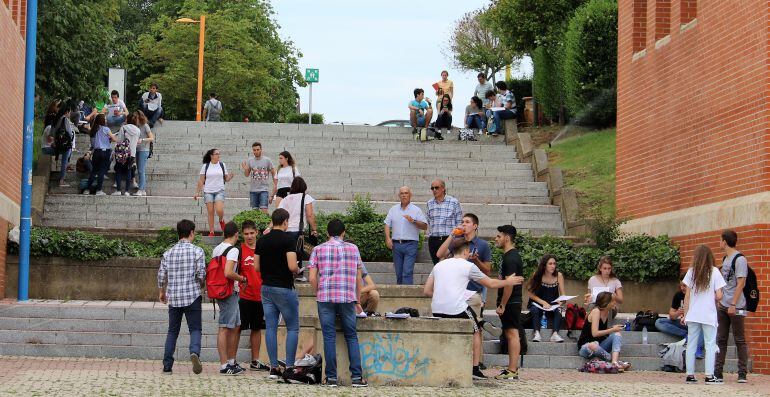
212, 109
276, 261
293, 204
180, 276
287, 171
261, 171
445, 87
250, 304
483, 88
704, 283
146, 137
63, 137
404, 220
444, 213
211, 184
732, 307
598, 339
124, 162
509, 299
545, 286
101, 138
229, 311
335, 274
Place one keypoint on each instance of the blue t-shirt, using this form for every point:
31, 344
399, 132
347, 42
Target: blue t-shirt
420, 105
480, 247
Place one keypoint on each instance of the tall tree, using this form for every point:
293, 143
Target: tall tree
473, 46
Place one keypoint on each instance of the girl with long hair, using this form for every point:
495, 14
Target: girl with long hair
545, 286
146, 137
129, 131
101, 139
287, 171
704, 288
597, 339
211, 184
604, 280
444, 118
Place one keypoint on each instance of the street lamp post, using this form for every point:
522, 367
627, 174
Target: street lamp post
201, 42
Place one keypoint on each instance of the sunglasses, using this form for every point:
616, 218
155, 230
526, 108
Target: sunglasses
435, 187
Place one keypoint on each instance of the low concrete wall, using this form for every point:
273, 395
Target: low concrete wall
413, 352
392, 297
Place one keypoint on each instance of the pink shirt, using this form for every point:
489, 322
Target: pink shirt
337, 263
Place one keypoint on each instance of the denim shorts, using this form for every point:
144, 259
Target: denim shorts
258, 199
229, 312
212, 197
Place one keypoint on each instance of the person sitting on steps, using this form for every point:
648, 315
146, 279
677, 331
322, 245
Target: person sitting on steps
672, 324
597, 340
420, 112
444, 119
545, 286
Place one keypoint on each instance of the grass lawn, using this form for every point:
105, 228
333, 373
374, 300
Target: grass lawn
588, 162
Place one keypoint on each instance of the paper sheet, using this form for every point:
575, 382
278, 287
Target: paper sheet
596, 291
564, 298
553, 307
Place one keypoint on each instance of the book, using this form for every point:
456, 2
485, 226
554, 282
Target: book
435, 87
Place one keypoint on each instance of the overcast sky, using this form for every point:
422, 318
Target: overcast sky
372, 55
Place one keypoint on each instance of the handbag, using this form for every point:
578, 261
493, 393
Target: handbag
647, 319
305, 244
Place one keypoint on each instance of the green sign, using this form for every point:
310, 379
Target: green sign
311, 75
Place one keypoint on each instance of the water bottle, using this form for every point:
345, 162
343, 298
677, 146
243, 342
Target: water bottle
543, 322
644, 335
627, 325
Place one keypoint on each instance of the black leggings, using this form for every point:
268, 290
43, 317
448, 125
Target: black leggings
444, 120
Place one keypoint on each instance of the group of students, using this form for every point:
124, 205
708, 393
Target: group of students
488, 107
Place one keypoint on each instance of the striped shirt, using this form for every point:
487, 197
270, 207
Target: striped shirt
443, 216
337, 263
181, 272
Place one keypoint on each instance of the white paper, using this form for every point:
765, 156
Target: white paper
496, 109
553, 307
596, 291
564, 298
397, 315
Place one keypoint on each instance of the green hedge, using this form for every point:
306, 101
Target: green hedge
363, 226
521, 88
301, 118
590, 63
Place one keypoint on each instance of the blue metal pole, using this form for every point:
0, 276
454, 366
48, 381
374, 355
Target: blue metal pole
26, 158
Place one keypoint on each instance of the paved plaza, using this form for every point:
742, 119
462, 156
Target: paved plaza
25, 376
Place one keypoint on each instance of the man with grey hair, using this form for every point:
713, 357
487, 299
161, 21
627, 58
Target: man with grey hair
444, 213
405, 220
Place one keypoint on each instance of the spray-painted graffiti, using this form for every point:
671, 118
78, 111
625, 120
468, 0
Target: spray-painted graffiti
385, 356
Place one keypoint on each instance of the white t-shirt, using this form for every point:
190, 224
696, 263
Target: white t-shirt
703, 308
285, 177
115, 109
215, 181
450, 279
232, 255
292, 204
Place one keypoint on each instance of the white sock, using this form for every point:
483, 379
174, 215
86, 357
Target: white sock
223, 366
231, 361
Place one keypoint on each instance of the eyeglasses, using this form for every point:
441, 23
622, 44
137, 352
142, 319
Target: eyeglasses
215, 154
435, 187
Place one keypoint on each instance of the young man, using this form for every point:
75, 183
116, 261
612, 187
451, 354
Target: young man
405, 220
213, 109
229, 312
335, 274
509, 299
447, 285
250, 304
482, 88
152, 105
276, 260
261, 171
672, 325
368, 296
509, 107
445, 86
731, 310
444, 213
420, 112
115, 111
180, 276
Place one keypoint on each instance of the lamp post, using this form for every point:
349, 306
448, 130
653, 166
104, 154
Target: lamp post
201, 41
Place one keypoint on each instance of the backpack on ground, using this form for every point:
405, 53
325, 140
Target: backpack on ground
672, 356
206, 171
491, 126
122, 152
306, 370
575, 318
751, 288
218, 287
597, 366
466, 134
61, 137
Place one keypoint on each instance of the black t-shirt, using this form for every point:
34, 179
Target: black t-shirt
678, 300
273, 266
511, 264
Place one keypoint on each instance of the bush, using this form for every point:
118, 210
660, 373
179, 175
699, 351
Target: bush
259, 217
363, 227
548, 79
301, 118
590, 63
521, 88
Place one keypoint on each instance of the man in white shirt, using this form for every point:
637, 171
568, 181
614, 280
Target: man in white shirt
482, 89
152, 105
115, 111
405, 220
447, 284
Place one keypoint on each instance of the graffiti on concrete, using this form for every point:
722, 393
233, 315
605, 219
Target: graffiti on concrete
385, 356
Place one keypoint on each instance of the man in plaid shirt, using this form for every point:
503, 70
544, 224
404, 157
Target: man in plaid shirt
335, 274
444, 214
180, 276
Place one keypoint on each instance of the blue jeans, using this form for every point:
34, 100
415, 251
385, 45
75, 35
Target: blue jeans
404, 255
49, 151
537, 315
113, 121
675, 328
475, 121
152, 115
65, 159
258, 199
327, 314
101, 163
283, 301
611, 343
501, 115
192, 315
123, 174
696, 331
141, 165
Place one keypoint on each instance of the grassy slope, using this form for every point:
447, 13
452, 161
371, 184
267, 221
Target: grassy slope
588, 162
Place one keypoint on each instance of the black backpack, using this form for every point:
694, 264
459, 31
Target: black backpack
61, 137
751, 289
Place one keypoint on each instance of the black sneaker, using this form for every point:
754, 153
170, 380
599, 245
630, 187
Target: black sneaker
713, 380
256, 365
507, 375
282, 363
719, 375
359, 382
330, 382
741, 378
238, 366
690, 379
231, 370
276, 373
166, 371
196, 363
414, 131
482, 366
478, 375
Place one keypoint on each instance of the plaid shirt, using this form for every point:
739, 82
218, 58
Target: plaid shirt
182, 270
443, 216
337, 263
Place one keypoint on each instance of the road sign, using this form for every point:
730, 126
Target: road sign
311, 75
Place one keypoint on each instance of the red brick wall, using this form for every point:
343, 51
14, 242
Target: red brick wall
662, 18
693, 114
754, 242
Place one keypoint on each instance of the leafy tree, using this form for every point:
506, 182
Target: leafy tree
523, 25
474, 47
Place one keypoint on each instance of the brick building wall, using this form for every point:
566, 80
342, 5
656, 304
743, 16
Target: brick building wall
12, 25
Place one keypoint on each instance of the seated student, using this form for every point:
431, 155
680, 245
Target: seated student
546, 285
420, 111
152, 105
474, 114
115, 111
447, 284
672, 324
369, 296
604, 280
508, 102
444, 118
597, 340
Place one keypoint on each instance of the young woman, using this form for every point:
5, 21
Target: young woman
101, 139
474, 114
444, 119
597, 340
287, 171
129, 131
604, 280
545, 286
292, 203
704, 288
211, 183
143, 151
64, 125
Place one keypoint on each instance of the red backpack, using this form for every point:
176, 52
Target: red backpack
217, 285
575, 316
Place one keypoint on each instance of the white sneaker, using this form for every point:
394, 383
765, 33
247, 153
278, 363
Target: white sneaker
536, 338
117, 193
134, 185
101, 193
127, 194
114, 185
85, 193
144, 192
556, 338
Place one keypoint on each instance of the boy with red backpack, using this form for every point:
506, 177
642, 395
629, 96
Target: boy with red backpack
250, 304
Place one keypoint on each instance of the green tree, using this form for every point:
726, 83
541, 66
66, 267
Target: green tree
474, 47
246, 62
524, 25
